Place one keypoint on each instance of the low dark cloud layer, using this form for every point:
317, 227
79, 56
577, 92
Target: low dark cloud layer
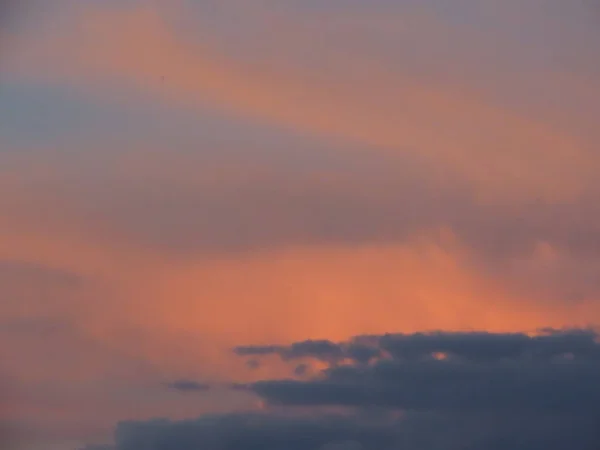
324, 432
556, 371
470, 346
423, 391
252, 431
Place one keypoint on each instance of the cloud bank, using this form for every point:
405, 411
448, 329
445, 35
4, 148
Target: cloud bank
439, 390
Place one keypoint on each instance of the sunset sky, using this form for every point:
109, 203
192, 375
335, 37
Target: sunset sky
189, 187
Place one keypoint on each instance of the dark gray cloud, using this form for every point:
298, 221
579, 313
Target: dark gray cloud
505, 391
301, 370
321, 349
250, 431
484, 346
353, 432
471, 346
446, 386
554, 371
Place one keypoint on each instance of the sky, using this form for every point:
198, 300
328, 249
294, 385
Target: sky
310, 225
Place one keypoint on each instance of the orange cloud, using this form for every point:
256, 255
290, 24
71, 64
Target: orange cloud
141, 295
146, 315
182, 315
337, 292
